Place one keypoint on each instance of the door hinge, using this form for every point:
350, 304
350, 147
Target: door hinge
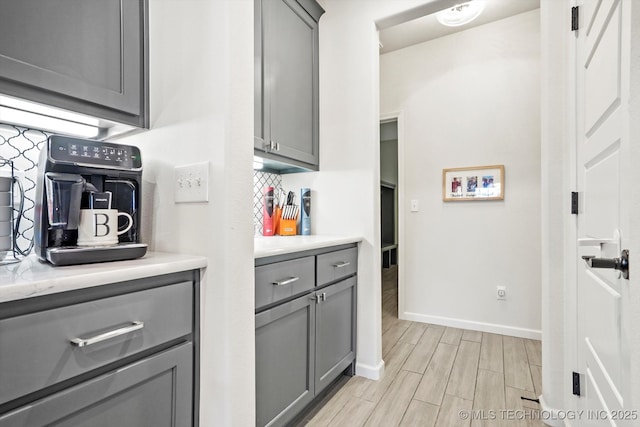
576, 383
575, 12
574, 203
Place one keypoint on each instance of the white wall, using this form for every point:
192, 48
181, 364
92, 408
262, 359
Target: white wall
468, 99
201, 73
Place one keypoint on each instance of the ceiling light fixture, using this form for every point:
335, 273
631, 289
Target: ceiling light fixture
461, 14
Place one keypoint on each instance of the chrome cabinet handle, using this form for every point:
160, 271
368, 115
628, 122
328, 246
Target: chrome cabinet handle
82, 342
318, 297
272, 146
286, 281
341, 264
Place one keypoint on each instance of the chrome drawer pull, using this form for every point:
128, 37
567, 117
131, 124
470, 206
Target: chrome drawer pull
286, 281
342, 264
80, 342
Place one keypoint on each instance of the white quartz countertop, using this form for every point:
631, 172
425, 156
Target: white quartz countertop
278, 245
31, 278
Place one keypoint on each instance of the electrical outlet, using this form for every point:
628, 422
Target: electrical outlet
192, 183
501, 292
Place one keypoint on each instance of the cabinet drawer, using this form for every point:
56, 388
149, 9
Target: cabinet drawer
155, 391
36, 349
280, 280
336, 265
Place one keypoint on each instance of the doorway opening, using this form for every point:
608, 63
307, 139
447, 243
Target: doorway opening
389, 217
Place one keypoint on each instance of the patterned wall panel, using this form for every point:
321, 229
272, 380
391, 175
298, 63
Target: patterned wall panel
22, 146
260, 181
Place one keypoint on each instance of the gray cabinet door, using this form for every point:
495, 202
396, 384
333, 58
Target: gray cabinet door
84, 56
154, 392
259, 137
284, 361
335, 331
288, 115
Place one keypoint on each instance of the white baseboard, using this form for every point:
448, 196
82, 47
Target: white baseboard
475, 326
554, 419
371, 372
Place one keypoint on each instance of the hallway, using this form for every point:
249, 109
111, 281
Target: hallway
435, 376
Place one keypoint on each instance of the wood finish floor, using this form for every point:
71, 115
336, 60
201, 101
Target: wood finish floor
436, 376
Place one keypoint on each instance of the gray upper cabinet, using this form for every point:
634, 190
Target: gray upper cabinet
286, 82
87, 56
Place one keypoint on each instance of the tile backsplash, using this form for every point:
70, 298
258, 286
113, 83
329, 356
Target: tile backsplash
22, 146
261, 180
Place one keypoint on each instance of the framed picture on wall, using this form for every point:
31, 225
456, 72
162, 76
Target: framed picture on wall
473, 183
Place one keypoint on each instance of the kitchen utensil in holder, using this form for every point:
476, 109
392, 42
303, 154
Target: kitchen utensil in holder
13, 253
276, 220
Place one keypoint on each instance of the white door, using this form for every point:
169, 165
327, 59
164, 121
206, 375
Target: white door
602, 88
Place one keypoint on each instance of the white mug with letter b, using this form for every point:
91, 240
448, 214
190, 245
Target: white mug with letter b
99, 227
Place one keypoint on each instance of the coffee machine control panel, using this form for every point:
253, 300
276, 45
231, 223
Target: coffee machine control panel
94, 153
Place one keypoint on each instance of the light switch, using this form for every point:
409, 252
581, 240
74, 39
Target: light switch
414, 206
192, 183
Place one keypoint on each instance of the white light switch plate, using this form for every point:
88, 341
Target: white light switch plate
415, 207
192, 183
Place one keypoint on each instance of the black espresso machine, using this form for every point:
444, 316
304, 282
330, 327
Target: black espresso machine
68, 170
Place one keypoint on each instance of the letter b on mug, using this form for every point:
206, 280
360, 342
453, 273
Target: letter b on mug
101, 224
100, 227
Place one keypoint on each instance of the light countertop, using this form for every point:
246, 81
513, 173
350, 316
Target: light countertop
278, 245
31, 278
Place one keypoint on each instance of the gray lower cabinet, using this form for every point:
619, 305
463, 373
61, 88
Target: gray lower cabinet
285, 348
307, 339
124, 354
89, 56
286, 82
335, 331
